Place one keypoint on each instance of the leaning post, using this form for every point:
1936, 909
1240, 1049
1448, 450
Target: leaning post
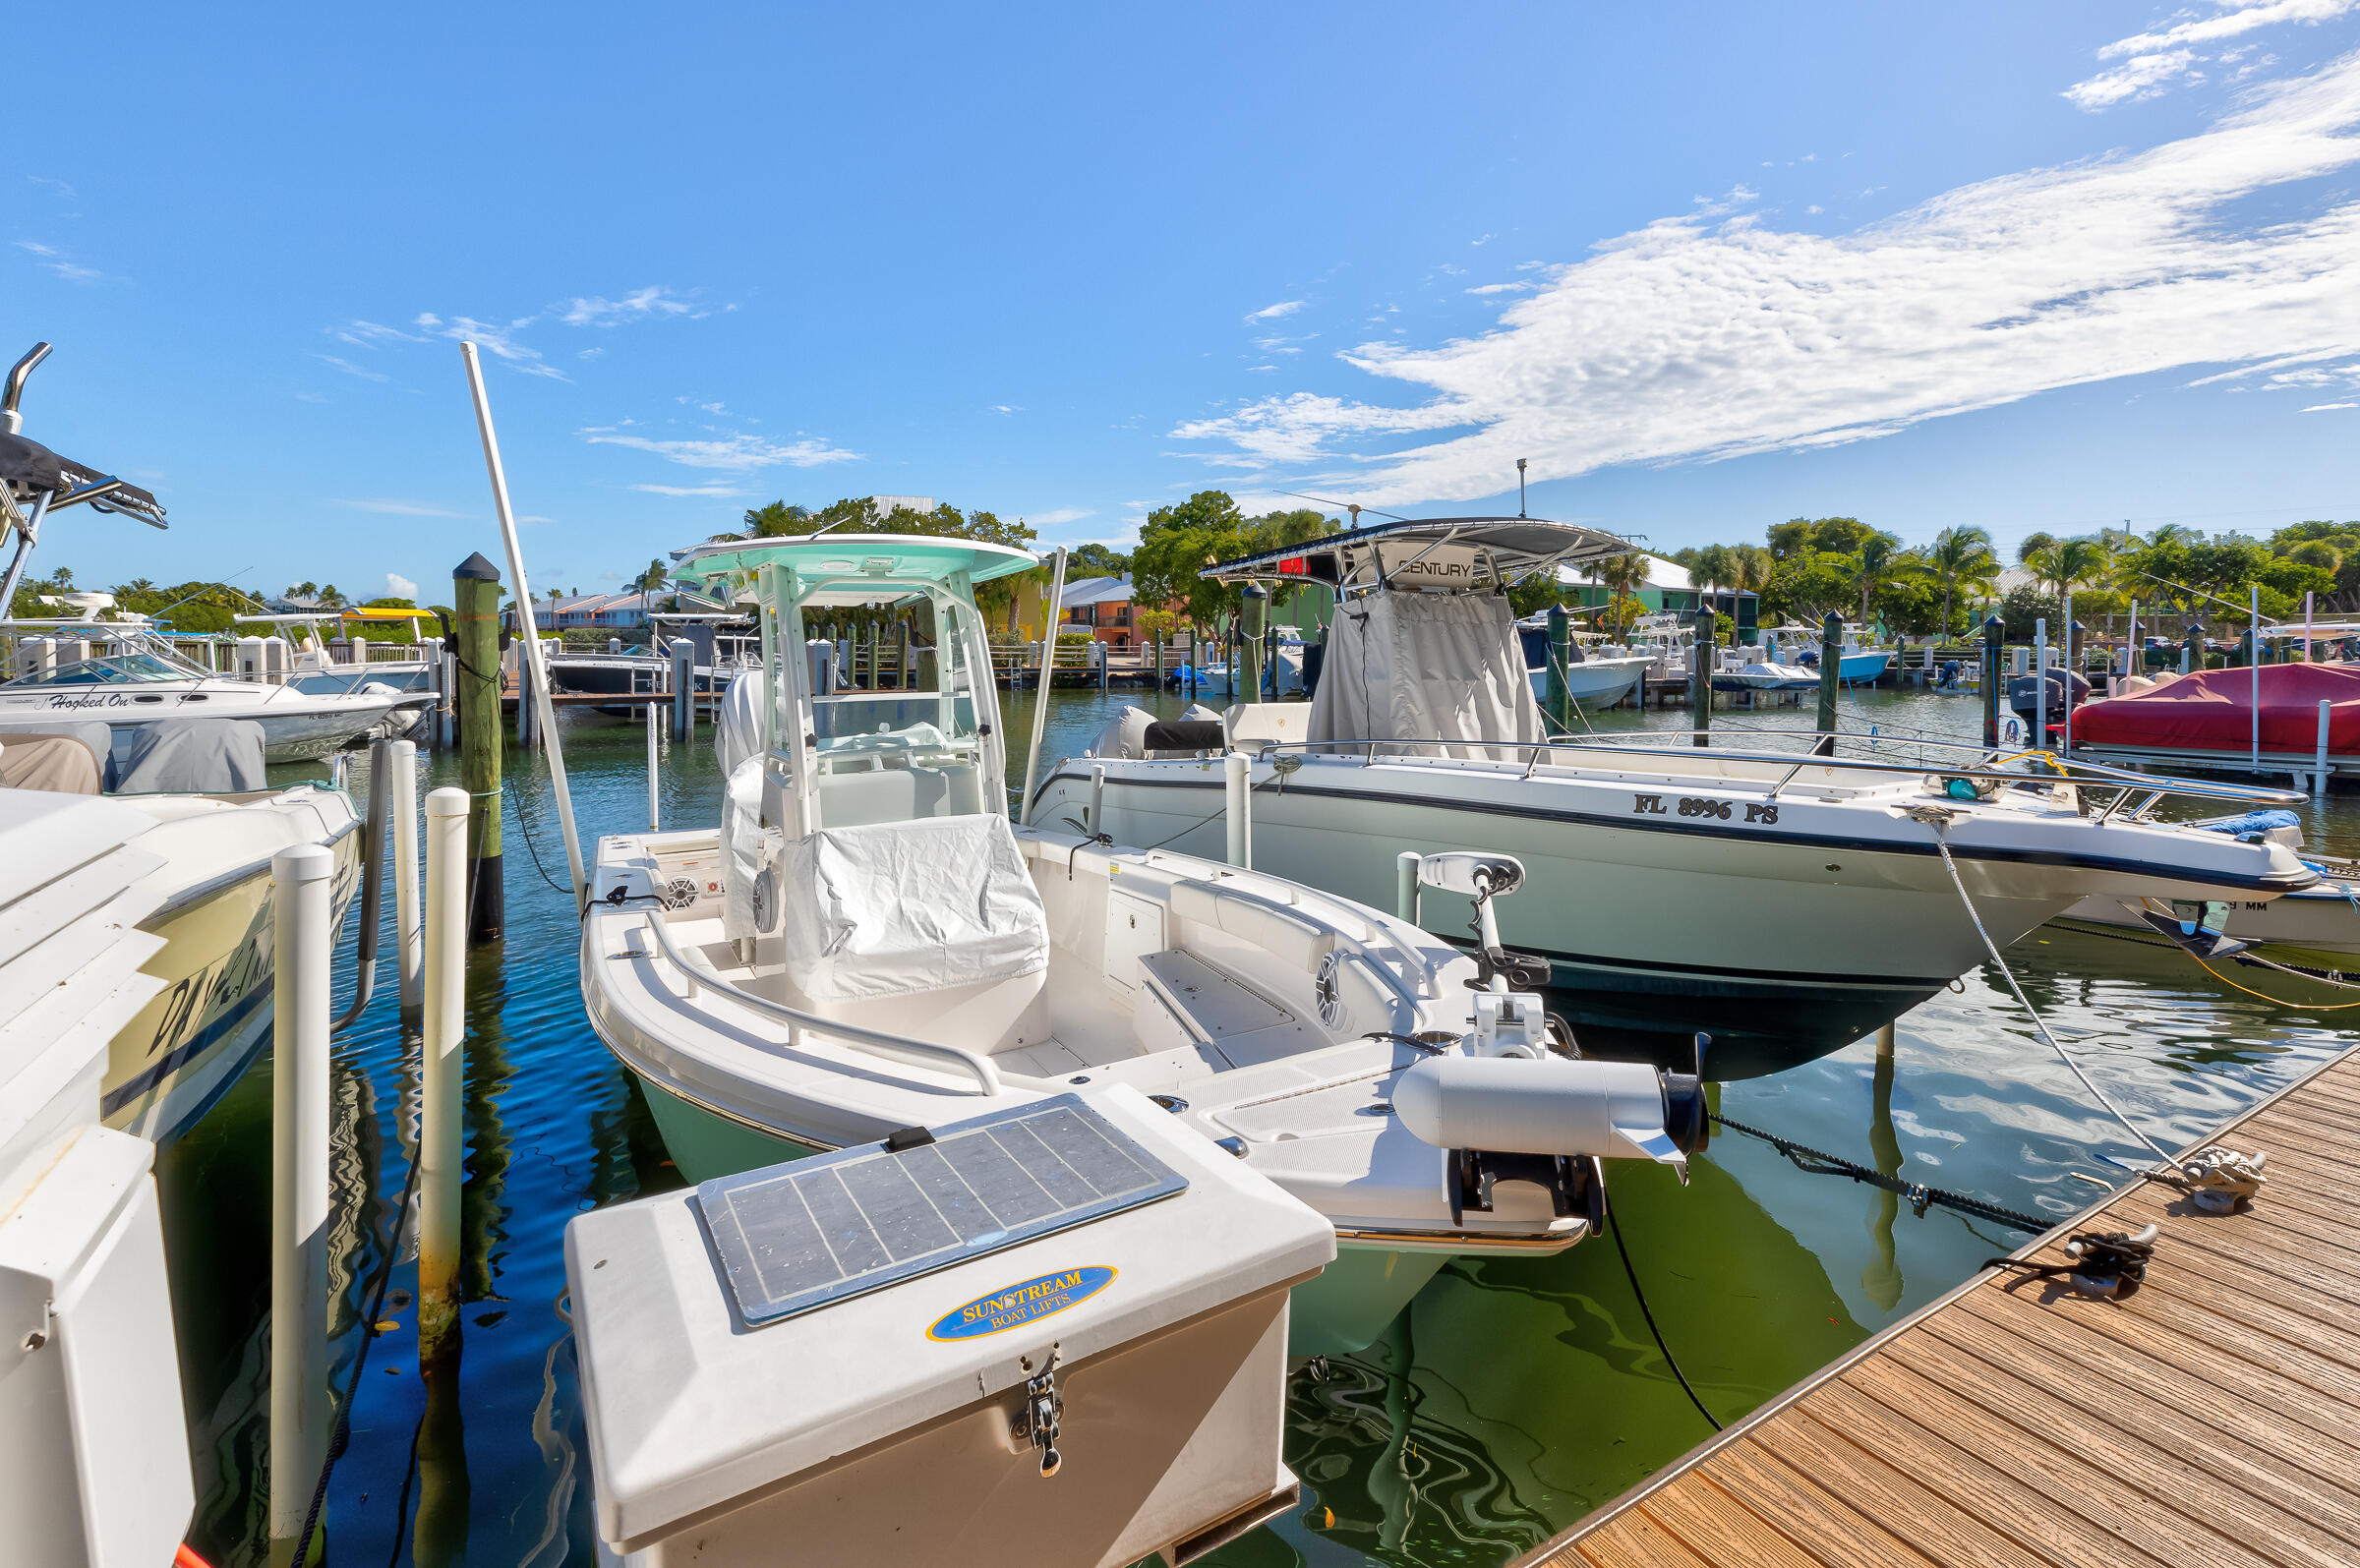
402, 798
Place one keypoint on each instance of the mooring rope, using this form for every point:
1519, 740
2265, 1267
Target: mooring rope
1917, 1192
1616, 1227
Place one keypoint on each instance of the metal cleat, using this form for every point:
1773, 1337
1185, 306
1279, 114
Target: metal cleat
2217, 1179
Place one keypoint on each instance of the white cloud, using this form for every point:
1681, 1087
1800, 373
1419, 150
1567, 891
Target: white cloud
735, 453
64, 190
641, 304
350, 368
367, 334
1272, 312
1006, 409
2322, 408
1692, 340
2155, 62
1063, 514
1500, 288
38, 248
71, 271
401, 587
399, 508
690, 490
493, 340
716, 410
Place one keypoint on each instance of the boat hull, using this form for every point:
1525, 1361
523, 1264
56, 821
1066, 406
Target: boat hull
1344, 1310
1596, 682
299, 727
2319, 928
190, 1043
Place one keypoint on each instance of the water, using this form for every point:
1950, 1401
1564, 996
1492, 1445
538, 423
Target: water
1506, 1402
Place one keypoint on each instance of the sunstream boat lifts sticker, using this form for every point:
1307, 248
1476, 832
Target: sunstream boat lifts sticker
1026, 1302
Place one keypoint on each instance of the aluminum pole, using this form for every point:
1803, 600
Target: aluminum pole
655, 817
526, 627
2253, 667
1237, 776
2041, 684
1040, 697
2068, 742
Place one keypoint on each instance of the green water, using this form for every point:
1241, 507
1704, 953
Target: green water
1509, 1400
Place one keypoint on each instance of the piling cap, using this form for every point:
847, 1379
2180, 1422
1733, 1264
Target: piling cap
1257, 591
477, 569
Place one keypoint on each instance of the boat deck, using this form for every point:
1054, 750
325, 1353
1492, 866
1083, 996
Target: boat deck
2210, 1416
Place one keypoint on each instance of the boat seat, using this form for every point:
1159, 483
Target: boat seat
929, 928
1288, 935
878, 789
1254, 724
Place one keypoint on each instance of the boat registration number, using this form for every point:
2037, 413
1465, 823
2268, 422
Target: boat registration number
1764, 812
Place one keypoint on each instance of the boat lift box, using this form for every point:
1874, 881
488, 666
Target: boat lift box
1083, 1382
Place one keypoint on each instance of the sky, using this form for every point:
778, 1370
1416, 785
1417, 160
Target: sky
2030, 266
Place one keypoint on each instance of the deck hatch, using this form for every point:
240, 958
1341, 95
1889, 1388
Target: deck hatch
811, 1232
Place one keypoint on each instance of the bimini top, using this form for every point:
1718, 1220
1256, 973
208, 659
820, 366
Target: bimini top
1428, 552
893, 560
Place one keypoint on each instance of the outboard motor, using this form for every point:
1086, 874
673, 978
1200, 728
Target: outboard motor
2023, 697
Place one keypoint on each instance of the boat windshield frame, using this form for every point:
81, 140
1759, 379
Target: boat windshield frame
136, 667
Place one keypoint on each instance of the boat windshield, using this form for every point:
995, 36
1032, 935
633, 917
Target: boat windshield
116, 670
929, 707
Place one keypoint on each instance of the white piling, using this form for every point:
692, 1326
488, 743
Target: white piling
1237, 773
1405, 884
1040, 697
303, 882
2040, 685
2253, 668
2319, 762
402, 795
1097, 797
655, 818
443, 1067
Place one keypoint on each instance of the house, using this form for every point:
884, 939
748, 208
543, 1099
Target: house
1668, 588
1099, 605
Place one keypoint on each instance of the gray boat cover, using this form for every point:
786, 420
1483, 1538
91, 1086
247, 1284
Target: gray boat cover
895, 907
193, 756
737, 747
1408, 666
61, 764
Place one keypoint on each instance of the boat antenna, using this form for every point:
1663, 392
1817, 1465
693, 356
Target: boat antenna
533, 668
1351, 506
12, 421
1520, 486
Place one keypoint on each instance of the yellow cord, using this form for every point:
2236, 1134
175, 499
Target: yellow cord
2304, 1007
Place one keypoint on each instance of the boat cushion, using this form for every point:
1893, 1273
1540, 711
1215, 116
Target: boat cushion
895, 908
193, 756
60, 764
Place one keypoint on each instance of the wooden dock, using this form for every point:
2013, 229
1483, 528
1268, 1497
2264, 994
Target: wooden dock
2210, 1416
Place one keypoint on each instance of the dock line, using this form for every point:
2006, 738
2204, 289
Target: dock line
1920, 1196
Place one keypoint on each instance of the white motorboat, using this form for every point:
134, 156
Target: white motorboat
212, 823
867, 944
1597, 674
1798, 647
1787, 904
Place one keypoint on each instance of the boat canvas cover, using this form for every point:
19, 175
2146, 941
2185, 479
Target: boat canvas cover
2212, 711
195, 756
1415, 666
895, 908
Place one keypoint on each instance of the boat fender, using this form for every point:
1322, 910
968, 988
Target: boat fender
1517, 1105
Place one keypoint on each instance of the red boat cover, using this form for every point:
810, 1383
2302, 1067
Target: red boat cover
2212, 711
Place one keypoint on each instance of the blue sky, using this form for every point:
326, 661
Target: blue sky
2026, 266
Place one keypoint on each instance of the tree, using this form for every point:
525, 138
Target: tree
2064, 564
330, 598
304, 590
1808, 587
1709, 567
1176, 544
1960, 558
1097, 561
778, 520
652, 579
1876, 559
1623, 576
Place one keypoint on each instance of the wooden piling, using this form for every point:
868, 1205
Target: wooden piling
1994, 678
1700, 675
475, 591
1831, 677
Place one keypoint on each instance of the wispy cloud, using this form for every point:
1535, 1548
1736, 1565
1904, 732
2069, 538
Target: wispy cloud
1063, 514
1501, 288
401, 587
1005, 409
59, 186
1691, 339
735, 453
55, 262
716, 410
369, 334
2322, 408
2155, 62
350, 368
399, 508
690, 490
493, 340
1272, 312
38, 248
641, 304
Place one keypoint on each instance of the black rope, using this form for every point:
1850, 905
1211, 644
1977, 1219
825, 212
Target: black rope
1917, 1192
401, 1505
1612, 1225
529, 849
341, 1437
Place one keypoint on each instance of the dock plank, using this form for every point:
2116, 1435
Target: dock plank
2212, 1416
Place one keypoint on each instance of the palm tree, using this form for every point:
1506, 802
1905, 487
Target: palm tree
650, 580
1962, 557
2317, 552
1709, 567
1879, 559
2064, 564
1622, 576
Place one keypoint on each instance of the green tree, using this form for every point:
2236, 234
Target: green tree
1095, 559
1176, 544
1961, 559
651, 580
1806, 587
1876, 559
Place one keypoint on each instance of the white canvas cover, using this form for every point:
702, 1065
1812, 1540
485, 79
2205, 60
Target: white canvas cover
738, 734
1409, 665
193, 756
895, 907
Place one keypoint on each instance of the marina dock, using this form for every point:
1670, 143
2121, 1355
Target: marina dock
2211, 1415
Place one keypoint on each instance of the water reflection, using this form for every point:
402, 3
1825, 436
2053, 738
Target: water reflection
1508, 1400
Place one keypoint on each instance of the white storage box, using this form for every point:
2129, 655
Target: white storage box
885, 1423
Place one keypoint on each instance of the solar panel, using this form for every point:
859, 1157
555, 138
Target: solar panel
825, 1229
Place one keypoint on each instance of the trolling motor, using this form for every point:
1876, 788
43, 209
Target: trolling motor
2196, 926
1512, 1108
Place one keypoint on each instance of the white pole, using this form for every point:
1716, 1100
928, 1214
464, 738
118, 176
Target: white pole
2068, 672
302, 878
534, 664
444, 1063
1040, 697
1405, 884
654, 819
2133, 664
2306, 627
1097, 797
2253, 667
2040, 685
2319, 762
403, 802
1238, 772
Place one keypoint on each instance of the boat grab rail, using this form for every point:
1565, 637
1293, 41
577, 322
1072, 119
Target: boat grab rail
875, 1041
2062, 770
1403, 991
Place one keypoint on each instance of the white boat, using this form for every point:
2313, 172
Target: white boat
1597, 676
212, 823
1784, 902
2316, 927
144, 680
866, 943
1798, 647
